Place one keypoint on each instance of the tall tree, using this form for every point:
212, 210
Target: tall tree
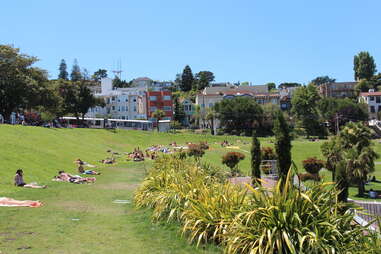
255, 159
86, 99
322, 80
238, 115
187, 79
304, 108
282, 145
99, 74
364, 66
203, 79
75, 74
271, 86
288, 84
18, 80
179, 113
63, 70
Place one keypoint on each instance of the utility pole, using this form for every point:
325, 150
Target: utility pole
337, 124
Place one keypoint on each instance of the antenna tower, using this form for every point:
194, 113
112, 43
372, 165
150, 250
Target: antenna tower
118, 71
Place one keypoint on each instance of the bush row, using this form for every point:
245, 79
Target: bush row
246, 220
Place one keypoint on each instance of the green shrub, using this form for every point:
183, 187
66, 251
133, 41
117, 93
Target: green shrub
231, 159
196, 151
309, 177
208, 217
313, 165
268, 153
290, 221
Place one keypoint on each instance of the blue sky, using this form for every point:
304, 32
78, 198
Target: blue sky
243, 40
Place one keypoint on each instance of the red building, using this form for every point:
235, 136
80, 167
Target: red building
159, 100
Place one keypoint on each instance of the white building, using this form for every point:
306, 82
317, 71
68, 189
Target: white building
121, 103
373, 99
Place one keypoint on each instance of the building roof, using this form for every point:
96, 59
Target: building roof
142, 79
235, 89
370, 94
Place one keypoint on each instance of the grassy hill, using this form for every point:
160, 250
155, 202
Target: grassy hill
83, 218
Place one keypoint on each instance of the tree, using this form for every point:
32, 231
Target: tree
286, 85
203, 79
341, 111
357, 150
210, 116
75, 74
364, 66
63, 70
231, 159
322, 80
196, 151
304, 108
158, 115
282, 145
240, 114
85, 74
331, 151
19, 81
86, 99
99, 74
187, 79
255, 160
179, 113
271, 86
117, 82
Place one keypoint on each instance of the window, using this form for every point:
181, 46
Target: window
113, 98
372, 109
152, 109
123, 108
167, 97
153, 98
134, 108
371, 98
378, 99
379, 108
113, 108
167, 108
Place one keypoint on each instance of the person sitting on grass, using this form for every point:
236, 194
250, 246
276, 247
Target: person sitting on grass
81, 170
19, 181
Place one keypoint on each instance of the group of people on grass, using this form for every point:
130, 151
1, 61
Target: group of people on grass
61, 177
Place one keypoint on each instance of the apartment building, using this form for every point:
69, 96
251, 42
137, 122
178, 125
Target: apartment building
373, 100
338, 89
159, 100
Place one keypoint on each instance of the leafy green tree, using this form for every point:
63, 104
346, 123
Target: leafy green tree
331, 150
282, 145
287, 84
19, 81
231, 159
256, 158
158, 115
63, 74
304, 108
75, 74
364, 66
99, 74
117, 82
203, 79
187, 79
179, 113
238, 115
210, 116
271, 86
86, 99
346, 110
322, 80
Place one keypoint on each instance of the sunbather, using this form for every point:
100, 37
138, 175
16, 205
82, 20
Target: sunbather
19, 181
12, 202
81, 170
65, 177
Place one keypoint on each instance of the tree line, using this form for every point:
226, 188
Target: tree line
25, 88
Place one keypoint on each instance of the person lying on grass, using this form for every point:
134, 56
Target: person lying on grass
81, 170
83, 163
19, 181
13, 202
65, 177
108, 161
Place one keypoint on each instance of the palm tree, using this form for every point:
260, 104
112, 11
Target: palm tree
158, 115
210, 116
332, 152
359, 164
197, 115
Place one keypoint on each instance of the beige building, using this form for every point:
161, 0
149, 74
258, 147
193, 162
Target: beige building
338, 89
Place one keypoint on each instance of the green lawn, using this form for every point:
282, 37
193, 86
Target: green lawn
82, 218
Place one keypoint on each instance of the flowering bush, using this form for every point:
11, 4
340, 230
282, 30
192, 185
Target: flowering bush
313, 165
